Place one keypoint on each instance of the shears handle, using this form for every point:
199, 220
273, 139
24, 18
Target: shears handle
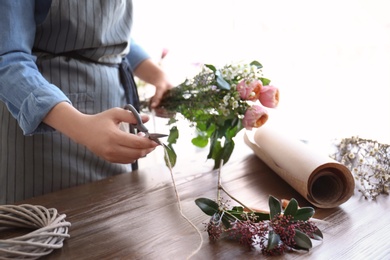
140, 125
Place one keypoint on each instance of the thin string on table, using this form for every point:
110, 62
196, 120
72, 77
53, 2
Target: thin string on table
177, 193
180, 208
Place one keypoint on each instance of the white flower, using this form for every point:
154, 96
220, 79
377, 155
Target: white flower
235, 104
226, 99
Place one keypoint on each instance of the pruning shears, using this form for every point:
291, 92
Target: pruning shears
141, 127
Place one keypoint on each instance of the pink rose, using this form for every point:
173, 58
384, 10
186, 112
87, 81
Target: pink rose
249, 91
269, 96
255, 116
164, 53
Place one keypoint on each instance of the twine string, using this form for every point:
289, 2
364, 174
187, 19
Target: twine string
194, 252
50, 231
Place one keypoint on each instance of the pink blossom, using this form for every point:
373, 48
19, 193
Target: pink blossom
255, 116
249, 90
164, 53
269, 96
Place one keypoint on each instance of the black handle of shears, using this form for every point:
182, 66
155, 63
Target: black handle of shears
140, 125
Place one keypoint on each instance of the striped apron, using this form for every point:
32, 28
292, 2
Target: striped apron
79, 48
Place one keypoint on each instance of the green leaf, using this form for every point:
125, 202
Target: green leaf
239, 213
215, 147
210, 129
274, 206
172, 120
273, 240
173, 135
304, 213
257, 64
265, 81
226, 152
217, 151
201, 126
221, 82
291, 208
170, 157
317, 235
210, 67
233, 130
200, 141
261, 216
302, 240
227, 219
208, 206
238, 209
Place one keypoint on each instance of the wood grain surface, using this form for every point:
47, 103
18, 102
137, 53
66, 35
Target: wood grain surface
135, 215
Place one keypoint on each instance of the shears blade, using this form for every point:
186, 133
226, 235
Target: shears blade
142, 128
155, 137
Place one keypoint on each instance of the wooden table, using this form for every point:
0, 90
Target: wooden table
135, 215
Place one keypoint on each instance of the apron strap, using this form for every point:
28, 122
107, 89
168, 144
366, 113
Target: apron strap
131, 93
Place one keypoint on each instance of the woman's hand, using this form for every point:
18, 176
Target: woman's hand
100, 133
161, 87
151, 73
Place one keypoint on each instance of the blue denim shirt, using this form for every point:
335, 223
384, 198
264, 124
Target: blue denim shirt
26, 93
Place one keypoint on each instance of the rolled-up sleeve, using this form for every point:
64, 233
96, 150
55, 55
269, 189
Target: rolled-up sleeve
136, 55
26, 93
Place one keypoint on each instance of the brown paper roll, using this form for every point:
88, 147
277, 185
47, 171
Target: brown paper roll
324, 182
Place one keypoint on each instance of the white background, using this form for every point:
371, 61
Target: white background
330, 59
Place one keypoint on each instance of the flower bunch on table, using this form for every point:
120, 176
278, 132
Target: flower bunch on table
219, 102
285, 227
369, 162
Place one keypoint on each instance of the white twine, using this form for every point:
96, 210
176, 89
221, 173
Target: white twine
180, 208
50, 230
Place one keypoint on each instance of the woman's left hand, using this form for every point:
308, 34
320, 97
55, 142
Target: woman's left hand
152, 73
161, 88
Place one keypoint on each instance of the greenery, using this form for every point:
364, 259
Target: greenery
275, 232
219, 102
281, 229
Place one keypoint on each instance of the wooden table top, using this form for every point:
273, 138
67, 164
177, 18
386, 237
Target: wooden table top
135, 215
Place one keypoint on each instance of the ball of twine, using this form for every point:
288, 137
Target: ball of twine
50, 230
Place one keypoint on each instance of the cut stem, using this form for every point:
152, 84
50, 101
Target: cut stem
220, 187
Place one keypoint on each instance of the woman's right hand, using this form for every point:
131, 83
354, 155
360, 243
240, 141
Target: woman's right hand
101, 133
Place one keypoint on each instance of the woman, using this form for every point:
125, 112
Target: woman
63, 81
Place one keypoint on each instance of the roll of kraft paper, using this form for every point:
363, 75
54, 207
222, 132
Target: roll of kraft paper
324, 182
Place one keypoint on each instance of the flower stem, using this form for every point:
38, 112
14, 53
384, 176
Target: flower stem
219, 182
220, 187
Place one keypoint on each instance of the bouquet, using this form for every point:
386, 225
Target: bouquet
219, 102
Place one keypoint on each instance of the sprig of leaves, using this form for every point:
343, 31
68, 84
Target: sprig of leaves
277, 225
